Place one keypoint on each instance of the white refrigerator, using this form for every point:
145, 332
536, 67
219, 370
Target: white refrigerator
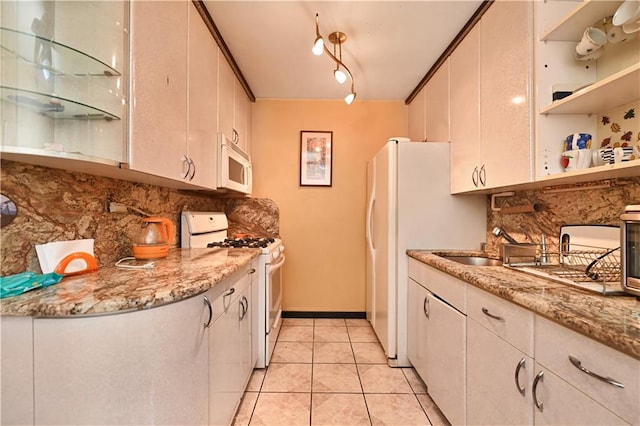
409, 206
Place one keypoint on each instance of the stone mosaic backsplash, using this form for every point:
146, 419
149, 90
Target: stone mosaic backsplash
56, 205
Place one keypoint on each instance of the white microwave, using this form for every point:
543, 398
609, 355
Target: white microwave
234, 167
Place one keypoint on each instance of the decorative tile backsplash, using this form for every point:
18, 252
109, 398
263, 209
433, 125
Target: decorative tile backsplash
55, 205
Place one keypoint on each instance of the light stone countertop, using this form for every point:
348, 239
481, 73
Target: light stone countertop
612, 320
183, 273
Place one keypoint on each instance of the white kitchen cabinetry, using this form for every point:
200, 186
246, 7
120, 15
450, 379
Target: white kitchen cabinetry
234, 108
417, 117
465, 113
158, 124
230, 351
242, 117
439, 325
499, 335
429, 110
202, 139
174, 94
16, 374
144, 367
501, 132
575, 379
437, 105
612, 82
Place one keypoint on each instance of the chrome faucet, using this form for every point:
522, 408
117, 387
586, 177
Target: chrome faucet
499, 232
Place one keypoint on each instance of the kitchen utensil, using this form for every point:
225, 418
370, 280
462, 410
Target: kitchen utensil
88, 259
154, 238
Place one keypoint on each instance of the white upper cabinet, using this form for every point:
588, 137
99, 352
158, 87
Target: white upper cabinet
63, 77
158, 125
437, 105
505, 93
202, 102
174, 139
465, 113
490, 100
417, 117
226, 89
242, 117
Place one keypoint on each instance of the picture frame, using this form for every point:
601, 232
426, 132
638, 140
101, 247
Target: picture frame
316, 158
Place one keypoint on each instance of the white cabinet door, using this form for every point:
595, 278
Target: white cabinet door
241, 116
16, 374
158, 107
143, 367
465, 113
203, 102
559, 403
446, 368
417, 329
417, 129
499, 378
506, 54
226, 93
229, 348
437, 105
255, 309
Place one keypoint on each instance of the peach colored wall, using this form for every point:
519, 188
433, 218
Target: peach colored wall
322, 228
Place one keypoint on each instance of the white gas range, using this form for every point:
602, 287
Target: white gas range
209, 229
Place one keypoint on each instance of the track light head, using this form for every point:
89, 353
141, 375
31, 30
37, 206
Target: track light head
318, 46
340, 76
350, 98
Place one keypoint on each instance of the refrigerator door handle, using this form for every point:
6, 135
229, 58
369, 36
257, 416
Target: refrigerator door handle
372, 203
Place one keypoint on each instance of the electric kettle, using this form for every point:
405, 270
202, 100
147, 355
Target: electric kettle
153, 239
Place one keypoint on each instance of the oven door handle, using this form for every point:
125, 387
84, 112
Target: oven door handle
277, 265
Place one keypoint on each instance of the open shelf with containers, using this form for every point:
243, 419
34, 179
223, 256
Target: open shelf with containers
63, 85
601, 87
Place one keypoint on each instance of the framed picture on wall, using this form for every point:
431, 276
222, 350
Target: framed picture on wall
316, 150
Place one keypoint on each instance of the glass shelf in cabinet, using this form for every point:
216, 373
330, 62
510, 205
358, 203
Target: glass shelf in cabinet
71, 61
53, 106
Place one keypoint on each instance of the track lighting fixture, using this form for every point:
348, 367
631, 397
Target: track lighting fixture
341, 72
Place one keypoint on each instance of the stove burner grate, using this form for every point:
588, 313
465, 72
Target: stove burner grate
242, 243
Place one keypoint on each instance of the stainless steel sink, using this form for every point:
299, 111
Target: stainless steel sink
474, 260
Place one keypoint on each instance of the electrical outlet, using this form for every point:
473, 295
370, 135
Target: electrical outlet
117, 208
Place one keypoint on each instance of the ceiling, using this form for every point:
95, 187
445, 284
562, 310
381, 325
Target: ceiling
390, 45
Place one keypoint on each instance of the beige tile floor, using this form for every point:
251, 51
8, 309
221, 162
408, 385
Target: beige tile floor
334, 372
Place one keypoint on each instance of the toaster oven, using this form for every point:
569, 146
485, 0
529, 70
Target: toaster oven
630, 249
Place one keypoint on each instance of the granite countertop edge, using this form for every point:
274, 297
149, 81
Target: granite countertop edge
182, 274
611, 320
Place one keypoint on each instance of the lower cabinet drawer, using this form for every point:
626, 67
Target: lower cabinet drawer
507, 320
591, 367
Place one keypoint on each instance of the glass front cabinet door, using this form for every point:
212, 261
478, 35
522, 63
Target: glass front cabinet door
63, 80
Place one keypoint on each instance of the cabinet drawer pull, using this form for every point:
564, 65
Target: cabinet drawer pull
520, 366
490, 315
208, 304
193, 174
252, 271
425, 306
244, 307
229, 292
578, 364
534, 388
